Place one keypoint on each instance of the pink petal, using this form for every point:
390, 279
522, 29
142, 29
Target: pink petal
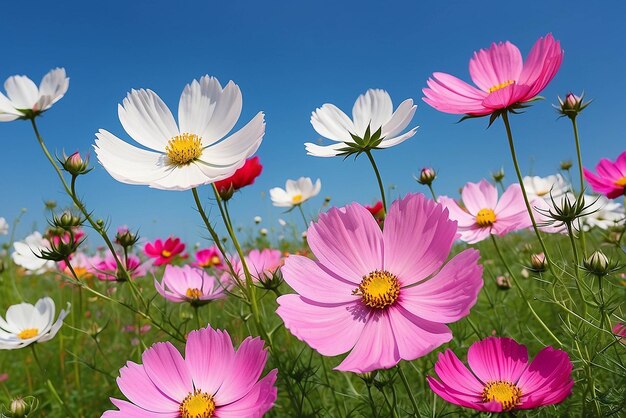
607, 169
455, 374
495, 359
331, 329
507, 96
348, 242
474, 234
456, 213
166, 368
128, 410
541, 65
450, 394
477, 196
255, 403
309, 279
139, 389
491, 67
418, 237
449, 94
449, 295
209, 356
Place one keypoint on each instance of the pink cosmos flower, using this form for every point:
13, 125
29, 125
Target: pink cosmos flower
611, 178
164, 252
189, 284
504, 80
484, 214
261, 263
208, 257
382, 295
501, 378
213, 380
82, 264
619, 329
106, 269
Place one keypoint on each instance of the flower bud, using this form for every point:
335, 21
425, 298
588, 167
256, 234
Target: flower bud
50, 204
497, 176
19, 408
571, 106
566, 165
263, 232
257, 220
125, 238
75, 165
597, 263
66, 221
538, 262
503, 282
427, 176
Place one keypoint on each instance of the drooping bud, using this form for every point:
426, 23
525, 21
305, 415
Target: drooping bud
427, 176
566, 165
572, 105
538, 262
75, 164
503, 282
597, 263
498, 175
50, 204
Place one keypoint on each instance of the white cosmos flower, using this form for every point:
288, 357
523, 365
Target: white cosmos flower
295, 192
26, 324
25, 99
606, 213
186, 155
24, 254
543, 187
4, 226
373, 109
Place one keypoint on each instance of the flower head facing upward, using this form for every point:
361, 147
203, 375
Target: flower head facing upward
24, 100
213, 380
374, 124
25, 253
208, 257
189, 284
164, 252
382, 295
504, 80
26, 324
610, 179
261, 263
501, 378
485, 214
545, 188
295, 193
106, 268
243, 177
186, 155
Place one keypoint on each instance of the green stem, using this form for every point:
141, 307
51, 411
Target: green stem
405, 382
306, 223
432, 192
51, 387
380, 181
582, 179
523, 294
577, 269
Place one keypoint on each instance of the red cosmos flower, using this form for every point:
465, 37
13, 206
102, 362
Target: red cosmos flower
243, 177
165, 252
377, 210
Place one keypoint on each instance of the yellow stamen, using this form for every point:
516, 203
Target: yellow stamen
485, 217
215, 260
197, 405
27, 333
621, 182
507, 394
193, 293
166, 253
500, 86
378, 289
296, 199
184, 149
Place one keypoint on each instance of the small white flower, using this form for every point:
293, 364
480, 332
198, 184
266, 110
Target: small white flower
26, 324
606, 213
4, 226
25, 99
282, 222
263, 232
24, 254
295, 193
373, 109
257, 219
543, 187
186, 155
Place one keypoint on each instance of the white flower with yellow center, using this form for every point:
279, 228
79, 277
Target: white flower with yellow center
372, 112
603, 213
544, 187
295, 192
24, 254
186, 155
24, 99
26, 324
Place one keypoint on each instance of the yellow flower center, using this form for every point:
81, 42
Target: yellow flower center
296, 199
184, 149
166, 253
542, 192
507, 394
193, 293
485, 217
500, 86
28, 333
621, 182
378, 289
213, 261
197, 405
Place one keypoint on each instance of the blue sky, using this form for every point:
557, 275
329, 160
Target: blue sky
288, 58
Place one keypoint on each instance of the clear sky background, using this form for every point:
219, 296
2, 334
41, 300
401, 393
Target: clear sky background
288, 58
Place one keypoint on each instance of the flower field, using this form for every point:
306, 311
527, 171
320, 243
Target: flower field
506, 298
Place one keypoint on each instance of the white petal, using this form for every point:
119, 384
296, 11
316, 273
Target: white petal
323, 151
147, 119
127, 163
54, 329
373, 108
21, 91
19, 316
390, 142
6, 106
54, 85
234, 149
208, 110
182, 178
332, 123
400, 119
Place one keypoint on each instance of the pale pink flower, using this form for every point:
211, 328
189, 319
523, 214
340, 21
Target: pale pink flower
190, 284
611, 177
213, 380
261, 263
501, 378
382, 295
504, 80
484, 214
106, 268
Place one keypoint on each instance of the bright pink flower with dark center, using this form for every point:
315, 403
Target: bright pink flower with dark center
611, 178
504, 80
208, 257
381, 295
500, 377
164, 252
213, 380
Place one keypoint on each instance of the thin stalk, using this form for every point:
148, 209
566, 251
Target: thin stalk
582, 178
380, 181
332, 392
405, 382
577, 268
432, 192
50, 385
306, 223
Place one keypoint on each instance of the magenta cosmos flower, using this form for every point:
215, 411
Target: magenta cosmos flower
190, 284
501, 379
484, 214
504, 80
611, 177
208, 257
164, 252
213, 380
106, 269
382, 295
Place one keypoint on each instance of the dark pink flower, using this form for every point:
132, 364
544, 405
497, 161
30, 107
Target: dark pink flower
611, 178
164, 252
208, 257
106, 269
